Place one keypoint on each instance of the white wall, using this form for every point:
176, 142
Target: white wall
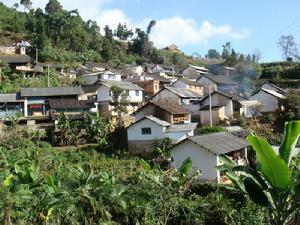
166, 95
269, 102
134, 98
103, 94
111, 76
202, 159
134, 133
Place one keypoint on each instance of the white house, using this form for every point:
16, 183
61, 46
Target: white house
105, 96
205, 150
269, 99
146, 134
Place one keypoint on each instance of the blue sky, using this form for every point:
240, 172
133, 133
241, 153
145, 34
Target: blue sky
196, 26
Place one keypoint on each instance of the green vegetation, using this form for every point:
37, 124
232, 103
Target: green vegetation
274, 183
208, 129
97, 185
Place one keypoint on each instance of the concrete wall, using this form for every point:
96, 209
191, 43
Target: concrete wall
217, 116
202, 159
181, 84
206, 83
219, 100
269, 102
166, 96
104, 95
134, 133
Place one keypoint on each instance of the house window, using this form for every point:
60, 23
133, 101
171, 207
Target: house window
137, 93
146, 130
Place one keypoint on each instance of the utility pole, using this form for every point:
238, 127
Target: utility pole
36, 55
48, 76
210, 112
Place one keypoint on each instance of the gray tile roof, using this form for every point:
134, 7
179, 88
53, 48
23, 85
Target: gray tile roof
220, 143
158, 121
181, 127
232, 96
51, 91
184, 93
122, 84
219, 79
189, 82
18, 59
11, 97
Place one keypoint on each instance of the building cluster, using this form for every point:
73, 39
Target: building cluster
161, 103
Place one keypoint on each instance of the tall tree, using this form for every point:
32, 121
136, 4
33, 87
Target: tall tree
122, 32
288, 46
213, 54
26, 3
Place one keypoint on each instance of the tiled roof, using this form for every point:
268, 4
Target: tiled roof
181, 127
11, 97
184, 93
18, 59
220, 143
70, 104
90, 88
50, 91
232, 96
189, 82
171, 107
158, 121
122, 84
219, 79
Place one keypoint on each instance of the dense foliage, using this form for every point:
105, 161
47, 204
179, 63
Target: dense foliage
85, 186
274, 183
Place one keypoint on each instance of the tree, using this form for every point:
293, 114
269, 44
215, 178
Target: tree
275, 181
257, 54
213, 54
288, 46
120, 102
150, 26
53, 7
26, 3
122, 32
226, 50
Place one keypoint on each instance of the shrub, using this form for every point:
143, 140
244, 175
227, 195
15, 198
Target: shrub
208, 129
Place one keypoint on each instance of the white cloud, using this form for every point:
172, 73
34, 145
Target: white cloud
186, 31
113, 17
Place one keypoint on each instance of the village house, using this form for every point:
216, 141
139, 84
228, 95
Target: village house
173, 48
212, 83
147, 133
269, 99
11, 105
168, 111
205, 150
36, 99
70, 107
105, 100
186, 98
273, 87
15, 56
194, 72
215, 116
229, 101
188, 84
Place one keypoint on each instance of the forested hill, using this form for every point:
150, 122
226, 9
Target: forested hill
63, 36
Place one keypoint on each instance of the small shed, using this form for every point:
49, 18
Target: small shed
205, 150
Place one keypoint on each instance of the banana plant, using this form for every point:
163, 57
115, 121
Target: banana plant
275, 182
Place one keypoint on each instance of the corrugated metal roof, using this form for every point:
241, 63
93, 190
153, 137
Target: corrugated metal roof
181, 127
184, 93
51, 91
121, 84
220, 143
